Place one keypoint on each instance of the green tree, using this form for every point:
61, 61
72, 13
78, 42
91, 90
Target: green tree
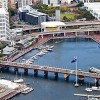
65, 19
63, 9
12, 11
1, 55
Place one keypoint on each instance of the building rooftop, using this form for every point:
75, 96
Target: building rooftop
8, 84
3, 11
52, 24
30, 10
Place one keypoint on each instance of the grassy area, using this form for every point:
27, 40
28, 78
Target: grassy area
69, 16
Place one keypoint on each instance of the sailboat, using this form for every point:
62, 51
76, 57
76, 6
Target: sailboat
92, 98
88, 89
18, 80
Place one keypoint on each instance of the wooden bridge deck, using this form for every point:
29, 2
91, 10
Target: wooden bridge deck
6, 64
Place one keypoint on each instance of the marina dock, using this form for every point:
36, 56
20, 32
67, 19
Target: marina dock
86, 95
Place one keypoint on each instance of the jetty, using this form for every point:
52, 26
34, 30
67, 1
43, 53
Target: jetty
87, 95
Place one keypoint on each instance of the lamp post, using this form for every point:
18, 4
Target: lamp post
76, 83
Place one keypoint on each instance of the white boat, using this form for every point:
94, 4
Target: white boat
88, 89
95, 88
45, 51
23, 59
51, 47
94, 70
18, 80
92, 98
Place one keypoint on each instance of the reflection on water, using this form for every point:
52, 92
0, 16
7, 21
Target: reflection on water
87, 52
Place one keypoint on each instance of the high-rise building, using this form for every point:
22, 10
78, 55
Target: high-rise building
57, 15
22, 3
4, 20
4, 4
4, 24
56, 2
12, 4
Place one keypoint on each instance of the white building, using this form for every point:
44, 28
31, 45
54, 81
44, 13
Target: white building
56, 2
52, 26
22, 3
57, 15
4, 24
94, 8
4, 4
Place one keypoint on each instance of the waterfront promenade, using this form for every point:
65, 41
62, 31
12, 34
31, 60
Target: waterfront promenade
96, 38
24, 51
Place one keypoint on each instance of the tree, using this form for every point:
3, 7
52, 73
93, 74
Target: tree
12, 11
63, 9
65, 19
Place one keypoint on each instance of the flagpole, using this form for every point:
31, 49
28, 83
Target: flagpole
76, 84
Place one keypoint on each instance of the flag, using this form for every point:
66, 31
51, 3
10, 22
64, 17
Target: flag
74, 60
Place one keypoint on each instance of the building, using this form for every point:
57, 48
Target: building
22, 3
94, 8
10, 51
57, 15
52, 26
56, 2
4, 4
12, 4
4, 24
32, 16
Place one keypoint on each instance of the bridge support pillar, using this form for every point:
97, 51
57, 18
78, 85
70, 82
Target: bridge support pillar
35, 72
25, 71
53, 34
45, 74
88, 33
56, 75
81, 79
64, 34
66, 77
75, 33
15, 70
97, 82
42, 36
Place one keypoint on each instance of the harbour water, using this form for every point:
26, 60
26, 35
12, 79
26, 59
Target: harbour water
87, 52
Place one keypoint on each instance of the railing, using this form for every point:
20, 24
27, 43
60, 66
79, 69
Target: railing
49, 69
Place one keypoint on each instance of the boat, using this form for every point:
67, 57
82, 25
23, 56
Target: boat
18, 80
95, 88
94, 70
27, 90
29, 62
23, 59
49, 49
88, 89
92, 98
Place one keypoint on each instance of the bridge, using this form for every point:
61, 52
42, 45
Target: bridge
64, 32
46, 69
67, 24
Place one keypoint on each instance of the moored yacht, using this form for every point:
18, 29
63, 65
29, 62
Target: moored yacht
18, 80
